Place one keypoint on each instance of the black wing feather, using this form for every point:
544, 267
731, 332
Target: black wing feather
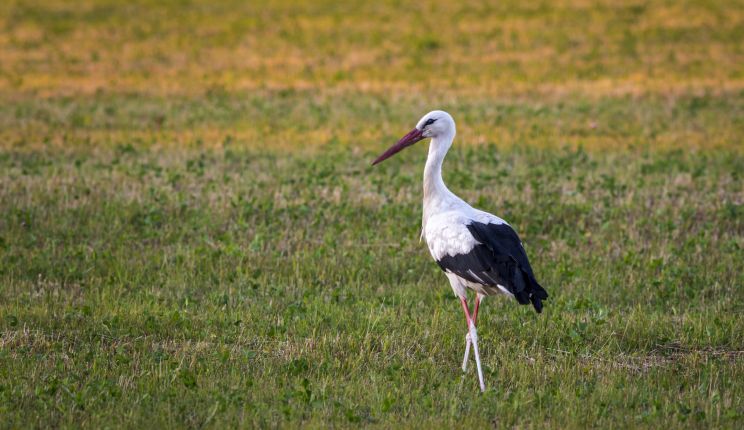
498, 259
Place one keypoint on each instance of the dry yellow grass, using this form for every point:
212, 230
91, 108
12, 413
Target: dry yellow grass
167, 48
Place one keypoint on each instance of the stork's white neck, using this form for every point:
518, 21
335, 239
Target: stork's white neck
436, 195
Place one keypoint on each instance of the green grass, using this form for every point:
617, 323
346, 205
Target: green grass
194, 237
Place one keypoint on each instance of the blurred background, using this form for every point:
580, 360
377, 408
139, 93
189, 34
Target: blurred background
264, 71
191, 234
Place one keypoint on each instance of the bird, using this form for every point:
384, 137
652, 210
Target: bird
477, 251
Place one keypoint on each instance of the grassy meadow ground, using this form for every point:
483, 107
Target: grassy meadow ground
191, 234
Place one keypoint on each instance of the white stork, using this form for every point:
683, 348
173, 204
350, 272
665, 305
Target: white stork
476, 250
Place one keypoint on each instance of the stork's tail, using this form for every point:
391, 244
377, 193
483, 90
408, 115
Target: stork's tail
532, 293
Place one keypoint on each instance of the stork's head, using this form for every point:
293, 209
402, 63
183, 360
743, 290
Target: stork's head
435, 124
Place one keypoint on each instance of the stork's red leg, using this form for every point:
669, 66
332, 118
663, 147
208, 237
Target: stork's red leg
475, 311
465, 308
464, 303
472, 338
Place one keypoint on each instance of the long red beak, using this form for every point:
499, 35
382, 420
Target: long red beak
409, 139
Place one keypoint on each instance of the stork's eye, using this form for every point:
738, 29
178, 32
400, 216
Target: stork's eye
430, 121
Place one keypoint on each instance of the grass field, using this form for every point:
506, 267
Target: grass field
191, 234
